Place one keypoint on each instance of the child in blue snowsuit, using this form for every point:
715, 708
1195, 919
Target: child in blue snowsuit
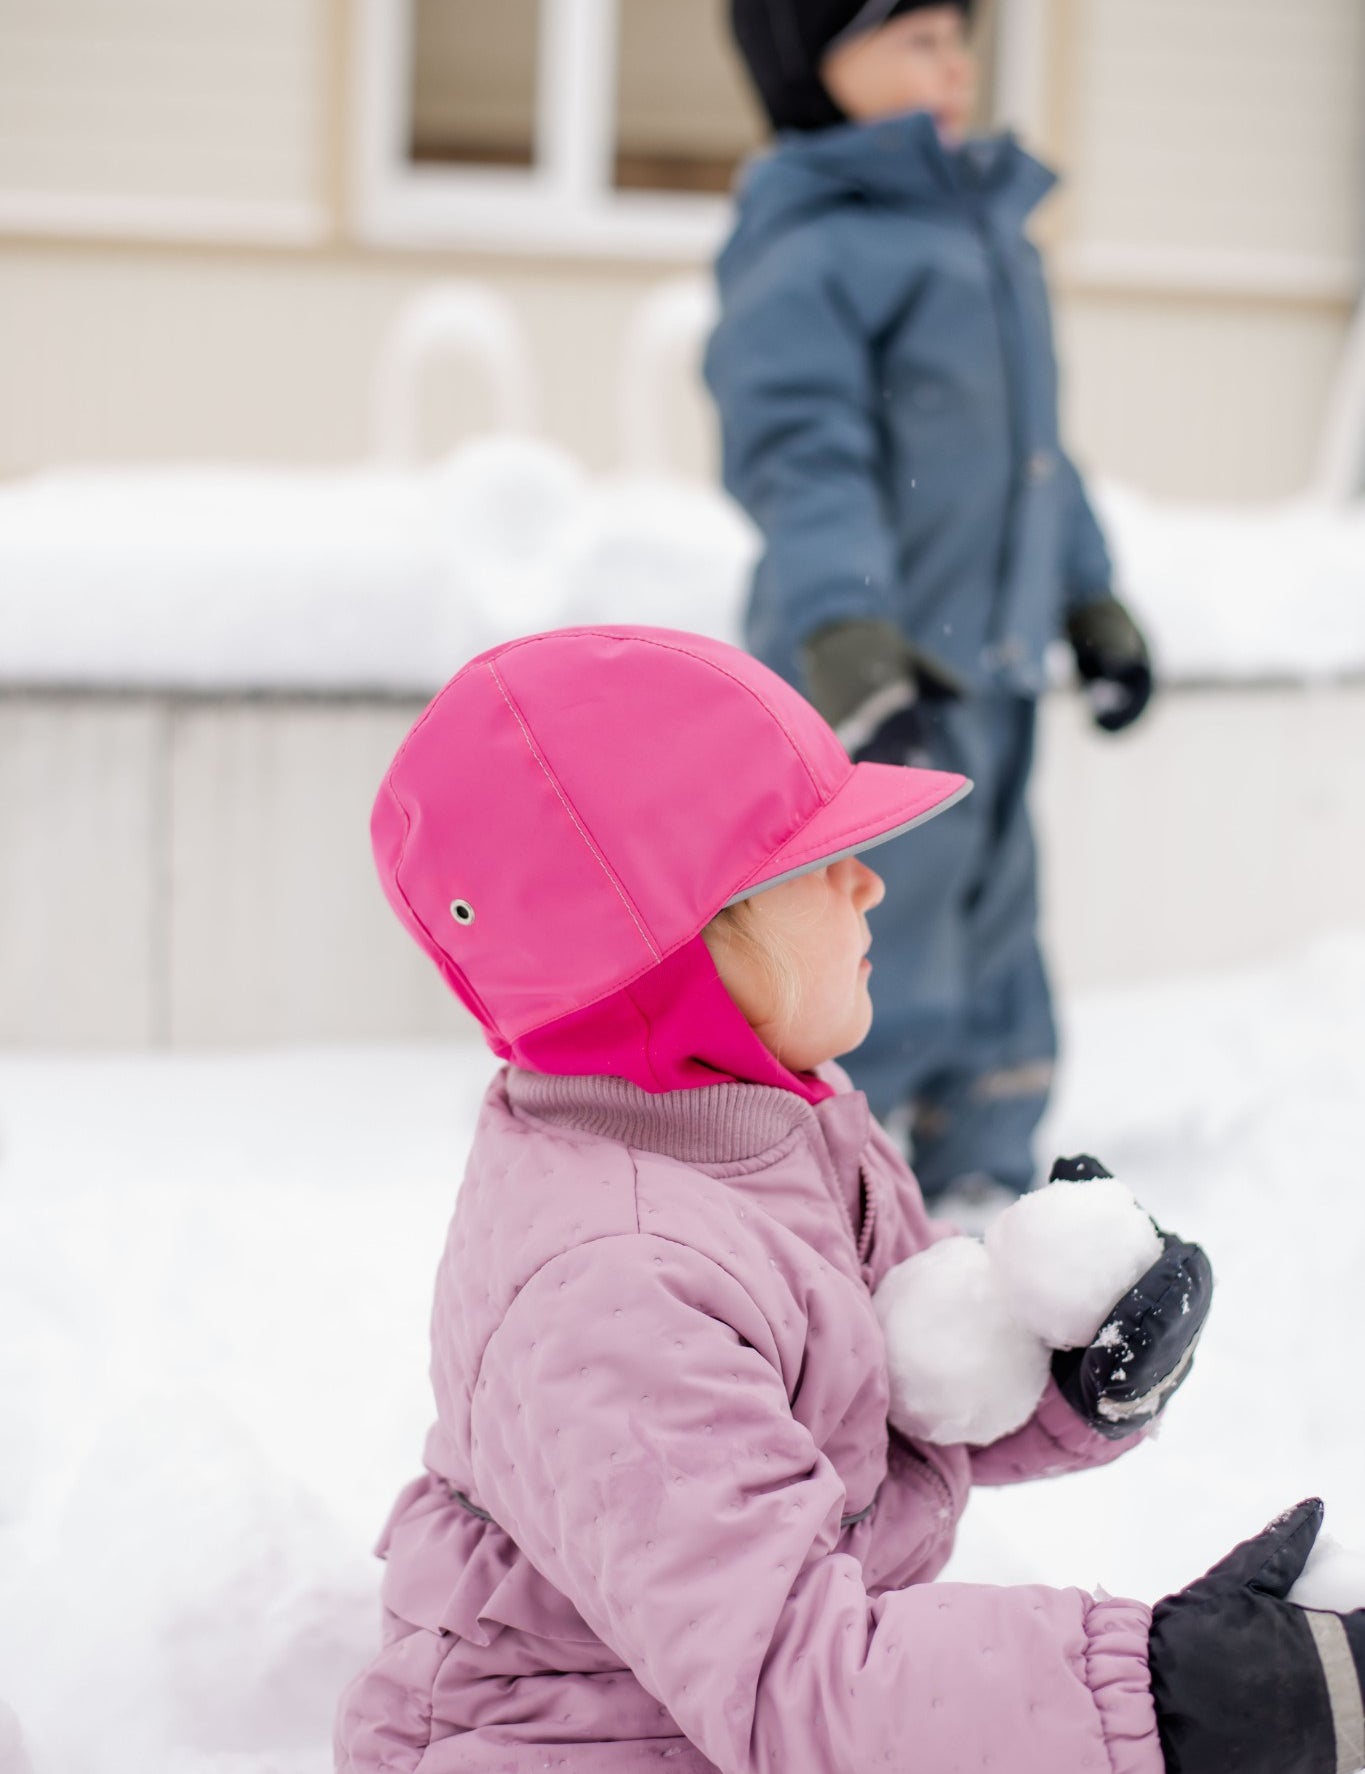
884, 373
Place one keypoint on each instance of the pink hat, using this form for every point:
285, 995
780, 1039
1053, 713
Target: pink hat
576, 806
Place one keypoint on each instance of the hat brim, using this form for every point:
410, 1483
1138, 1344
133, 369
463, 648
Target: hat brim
877, 803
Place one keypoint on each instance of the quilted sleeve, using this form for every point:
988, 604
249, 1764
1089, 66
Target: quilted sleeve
632, 1432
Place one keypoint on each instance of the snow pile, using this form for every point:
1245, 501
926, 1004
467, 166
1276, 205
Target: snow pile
215, 1276
1334, 1577
962, 1367
970, 1327
387, 580
1268, 591
353, 579
200, 580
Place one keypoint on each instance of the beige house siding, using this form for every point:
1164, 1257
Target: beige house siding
141, 353
1220, 126
1212, 150
116, 109
1192, 398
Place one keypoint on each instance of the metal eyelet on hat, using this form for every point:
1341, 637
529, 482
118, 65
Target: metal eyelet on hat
462, 911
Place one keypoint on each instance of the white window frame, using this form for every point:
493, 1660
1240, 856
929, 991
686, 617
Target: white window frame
566, 202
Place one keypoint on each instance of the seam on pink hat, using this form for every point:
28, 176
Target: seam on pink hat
752, 694
821, 803
581, 829
649, 640
628, 993
390, 788
472, 1000
620, 985
700, 659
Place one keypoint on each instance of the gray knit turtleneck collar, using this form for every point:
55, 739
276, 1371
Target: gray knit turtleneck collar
717, 1124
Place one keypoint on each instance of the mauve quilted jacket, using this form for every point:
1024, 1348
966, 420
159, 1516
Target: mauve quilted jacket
664, 1522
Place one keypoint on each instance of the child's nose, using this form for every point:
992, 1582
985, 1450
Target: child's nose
868, 887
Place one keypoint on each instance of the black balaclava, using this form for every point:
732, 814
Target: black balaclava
784, 41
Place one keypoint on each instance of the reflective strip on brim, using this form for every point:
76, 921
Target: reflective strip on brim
1343, 1689
820, 862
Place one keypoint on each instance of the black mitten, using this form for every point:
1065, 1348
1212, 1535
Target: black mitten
1112, 658
906, 737
856, 662
1244, 1680
1145, 1347
869, 683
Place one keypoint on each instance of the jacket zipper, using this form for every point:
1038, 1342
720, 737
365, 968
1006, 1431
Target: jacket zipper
936, 1478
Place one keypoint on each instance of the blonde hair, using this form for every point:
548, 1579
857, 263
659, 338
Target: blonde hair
739, 930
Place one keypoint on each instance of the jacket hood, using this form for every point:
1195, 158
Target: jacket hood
897, 162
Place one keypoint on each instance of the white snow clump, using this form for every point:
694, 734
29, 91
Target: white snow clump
970, 1326
962, 1368
1333, 1578
1066, 1254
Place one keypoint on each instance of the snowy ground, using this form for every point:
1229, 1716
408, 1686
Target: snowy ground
214, 1276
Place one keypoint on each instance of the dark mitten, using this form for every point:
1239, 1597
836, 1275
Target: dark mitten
1244, 1680
1112, 658
850, 664
863, 675
1145, 1347
906, 737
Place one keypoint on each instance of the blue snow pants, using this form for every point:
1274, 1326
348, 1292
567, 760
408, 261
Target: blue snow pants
963, 1037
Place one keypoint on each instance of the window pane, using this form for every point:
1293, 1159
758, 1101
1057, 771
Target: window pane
473, 81
685, 114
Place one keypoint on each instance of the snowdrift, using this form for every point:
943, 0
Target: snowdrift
215, 1275
386, 580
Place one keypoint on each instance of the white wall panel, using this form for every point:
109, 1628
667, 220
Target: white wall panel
219, 101
1226, 828
81, 905
1192, 399
279, 930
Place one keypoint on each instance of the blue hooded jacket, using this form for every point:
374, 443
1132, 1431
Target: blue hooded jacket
884, 372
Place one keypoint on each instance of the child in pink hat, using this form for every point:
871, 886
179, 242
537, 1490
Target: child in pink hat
664, 1519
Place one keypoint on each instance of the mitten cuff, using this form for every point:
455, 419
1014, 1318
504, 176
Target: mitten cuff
1073, 1435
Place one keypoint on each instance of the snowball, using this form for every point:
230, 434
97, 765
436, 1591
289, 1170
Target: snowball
962, 1367
1068, 1253
1334, 1578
